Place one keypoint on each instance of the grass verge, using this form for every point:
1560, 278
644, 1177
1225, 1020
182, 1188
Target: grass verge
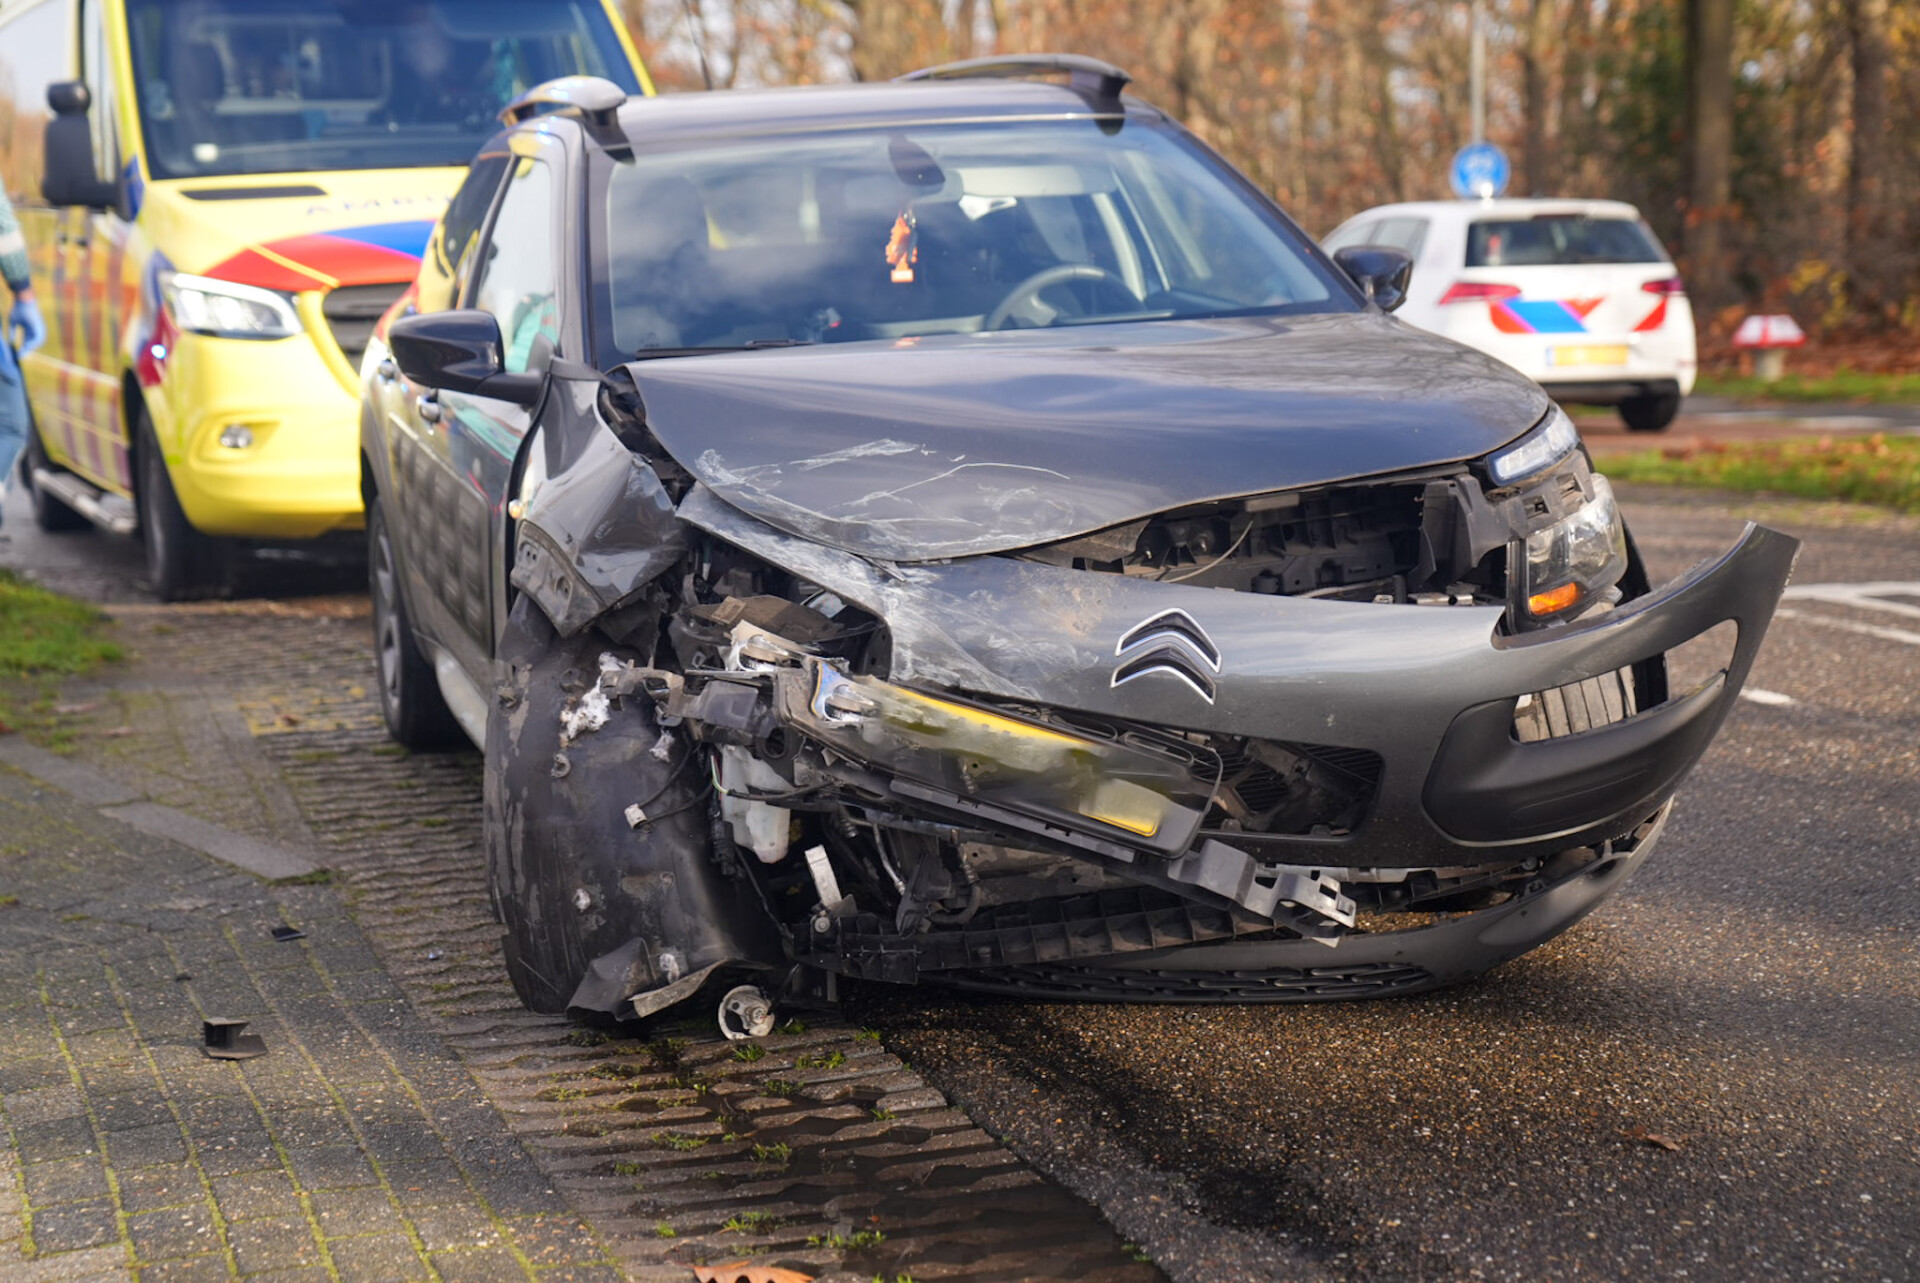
42, 636
1842, 385
1875, 469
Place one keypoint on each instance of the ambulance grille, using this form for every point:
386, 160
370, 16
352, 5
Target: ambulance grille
352, 311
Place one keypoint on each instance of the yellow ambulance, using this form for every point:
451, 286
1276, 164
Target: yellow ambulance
220, 198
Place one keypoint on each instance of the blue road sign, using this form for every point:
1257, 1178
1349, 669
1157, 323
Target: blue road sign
1480, 171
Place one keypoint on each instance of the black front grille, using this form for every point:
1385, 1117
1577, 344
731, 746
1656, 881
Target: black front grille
353, 310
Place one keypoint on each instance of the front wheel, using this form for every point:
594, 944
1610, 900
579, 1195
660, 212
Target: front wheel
1651, 413
182, 563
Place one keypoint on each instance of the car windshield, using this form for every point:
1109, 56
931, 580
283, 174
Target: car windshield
274, 86
1558, 239
903, 232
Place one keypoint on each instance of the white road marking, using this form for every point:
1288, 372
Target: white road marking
1772, 699
1848, 625
1866, 596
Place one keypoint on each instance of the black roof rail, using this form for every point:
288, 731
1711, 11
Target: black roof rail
1100, 81
591, 97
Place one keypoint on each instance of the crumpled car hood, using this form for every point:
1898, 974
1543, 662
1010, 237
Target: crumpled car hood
960, 445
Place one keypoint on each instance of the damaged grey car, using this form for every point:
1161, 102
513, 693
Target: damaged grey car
960, 531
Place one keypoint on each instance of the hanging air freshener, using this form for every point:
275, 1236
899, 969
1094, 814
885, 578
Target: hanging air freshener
903, 250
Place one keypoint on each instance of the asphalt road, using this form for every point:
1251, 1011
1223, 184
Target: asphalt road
1713, 1077
1716, 1076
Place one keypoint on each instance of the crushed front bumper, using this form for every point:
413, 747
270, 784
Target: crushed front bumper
1430, 689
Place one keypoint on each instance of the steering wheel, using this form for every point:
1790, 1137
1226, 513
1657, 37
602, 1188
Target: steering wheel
1029, 290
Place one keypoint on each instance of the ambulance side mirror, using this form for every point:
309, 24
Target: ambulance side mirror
70, 178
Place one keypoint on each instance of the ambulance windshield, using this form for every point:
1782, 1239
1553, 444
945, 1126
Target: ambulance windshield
291, 86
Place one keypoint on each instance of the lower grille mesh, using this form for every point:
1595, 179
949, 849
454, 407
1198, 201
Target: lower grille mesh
1568, 710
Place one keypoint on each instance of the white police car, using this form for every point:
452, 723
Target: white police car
1577, 294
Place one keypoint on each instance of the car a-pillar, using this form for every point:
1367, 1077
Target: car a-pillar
602, 901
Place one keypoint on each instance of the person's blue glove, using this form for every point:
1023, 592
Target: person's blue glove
32, 326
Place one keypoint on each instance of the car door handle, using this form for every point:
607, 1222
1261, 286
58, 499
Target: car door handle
429, 409
387, 371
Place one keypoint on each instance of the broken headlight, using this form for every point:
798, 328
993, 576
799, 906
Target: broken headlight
1546, 445
1578, 558
1138, 793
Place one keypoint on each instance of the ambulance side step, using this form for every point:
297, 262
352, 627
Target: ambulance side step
108, 511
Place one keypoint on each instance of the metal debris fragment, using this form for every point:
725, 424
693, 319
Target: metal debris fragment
745, 1012
222, 1039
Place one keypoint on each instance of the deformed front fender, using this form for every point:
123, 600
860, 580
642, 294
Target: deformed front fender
598, 839
595, 527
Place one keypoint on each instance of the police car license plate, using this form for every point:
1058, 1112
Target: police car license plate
1588, 354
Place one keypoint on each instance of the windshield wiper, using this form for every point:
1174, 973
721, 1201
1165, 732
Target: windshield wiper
751, 345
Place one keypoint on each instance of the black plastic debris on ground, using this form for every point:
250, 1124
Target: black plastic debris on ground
221, 1039
284, 934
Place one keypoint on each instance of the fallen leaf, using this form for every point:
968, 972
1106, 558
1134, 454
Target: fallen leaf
289, 719
747, 1272
73, 710
116, 732
1659, 1139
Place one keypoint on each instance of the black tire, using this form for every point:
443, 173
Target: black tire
49, 514
415, 712
182, 563
1650, 413
572, 881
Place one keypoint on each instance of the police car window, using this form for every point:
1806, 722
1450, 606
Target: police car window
1356, 234
517, 276
890, 233
1559, 240
1408, 234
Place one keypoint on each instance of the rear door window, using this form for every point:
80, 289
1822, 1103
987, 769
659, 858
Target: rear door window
1560, 241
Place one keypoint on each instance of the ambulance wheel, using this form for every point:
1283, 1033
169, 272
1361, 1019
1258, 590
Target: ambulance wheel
182, 563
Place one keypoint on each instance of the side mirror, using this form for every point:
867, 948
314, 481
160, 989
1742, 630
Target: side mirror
459, 351
1380, 271
69, 178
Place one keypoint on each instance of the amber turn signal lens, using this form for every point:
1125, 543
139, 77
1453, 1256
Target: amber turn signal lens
1553, 600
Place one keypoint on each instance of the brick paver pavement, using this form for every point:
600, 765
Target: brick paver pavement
410, 1119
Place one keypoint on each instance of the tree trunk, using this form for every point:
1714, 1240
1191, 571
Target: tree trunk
1709, 149
1536, 162
1868, 247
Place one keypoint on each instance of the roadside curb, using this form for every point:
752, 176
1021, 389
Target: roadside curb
118, 801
